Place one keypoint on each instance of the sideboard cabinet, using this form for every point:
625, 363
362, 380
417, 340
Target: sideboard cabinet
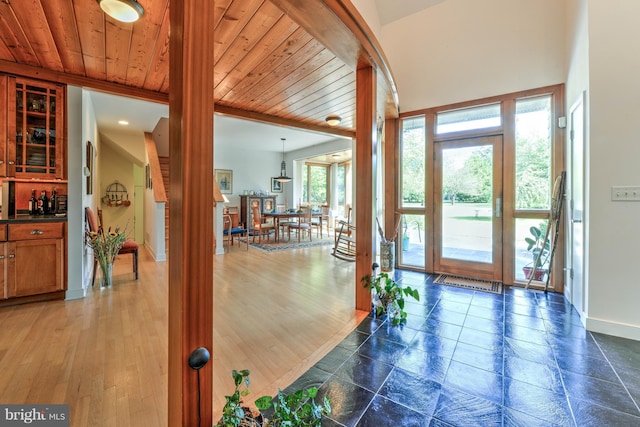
266, 204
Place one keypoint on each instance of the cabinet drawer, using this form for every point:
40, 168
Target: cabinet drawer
3, 232
41, 230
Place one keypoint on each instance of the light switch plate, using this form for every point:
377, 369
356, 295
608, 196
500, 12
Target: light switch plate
625, 193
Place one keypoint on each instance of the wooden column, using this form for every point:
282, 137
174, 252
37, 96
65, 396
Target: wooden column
191, 213
365, 161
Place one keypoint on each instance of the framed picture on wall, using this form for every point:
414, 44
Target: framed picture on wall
276, 186
224, 178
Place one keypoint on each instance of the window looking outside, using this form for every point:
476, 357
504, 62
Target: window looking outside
481, 117
533, 153
315, 184
341, 188
413, 157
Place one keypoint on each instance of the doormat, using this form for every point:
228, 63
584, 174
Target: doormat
469, 283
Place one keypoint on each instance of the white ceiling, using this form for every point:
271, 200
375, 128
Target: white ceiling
143, 116
392, 10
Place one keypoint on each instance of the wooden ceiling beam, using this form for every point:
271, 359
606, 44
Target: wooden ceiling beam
273, 120
86, 82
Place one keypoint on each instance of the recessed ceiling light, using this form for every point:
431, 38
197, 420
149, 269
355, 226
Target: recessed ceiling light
122, 10
123, 122
333, 120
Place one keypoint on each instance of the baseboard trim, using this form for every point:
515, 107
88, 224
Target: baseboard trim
616, 329
156, 257
74, 294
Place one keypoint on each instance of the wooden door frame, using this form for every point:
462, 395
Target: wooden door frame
507, 130
493, 270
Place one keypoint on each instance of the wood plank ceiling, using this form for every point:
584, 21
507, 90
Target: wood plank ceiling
267, 66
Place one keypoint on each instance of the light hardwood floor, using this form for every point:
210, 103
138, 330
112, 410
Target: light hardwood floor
276, 314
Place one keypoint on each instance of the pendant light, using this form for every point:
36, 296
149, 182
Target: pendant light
283, 168
122, 10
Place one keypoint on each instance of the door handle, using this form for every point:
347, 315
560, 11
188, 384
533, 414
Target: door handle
576, 221
498, 207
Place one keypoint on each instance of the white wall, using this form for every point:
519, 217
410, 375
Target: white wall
459, 50
76, 259
369, 12
614, 67
578, 84
115, 167
252, 170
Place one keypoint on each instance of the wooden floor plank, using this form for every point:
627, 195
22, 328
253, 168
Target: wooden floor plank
276, 314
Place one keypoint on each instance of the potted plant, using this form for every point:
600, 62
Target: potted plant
388, 296
105, 246
539, 249
296, 409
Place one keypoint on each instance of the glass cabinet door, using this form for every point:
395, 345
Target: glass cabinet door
37, 152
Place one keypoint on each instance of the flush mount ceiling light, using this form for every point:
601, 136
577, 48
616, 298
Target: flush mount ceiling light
123, 122
122, 10
283, 168
333, 120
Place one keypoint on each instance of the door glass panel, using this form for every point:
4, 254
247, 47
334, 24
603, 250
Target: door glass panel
412, 237
481, 117
533, 153
413, 163
467, 194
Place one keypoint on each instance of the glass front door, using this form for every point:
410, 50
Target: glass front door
468, 207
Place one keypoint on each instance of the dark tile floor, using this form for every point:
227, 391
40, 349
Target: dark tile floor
468, 358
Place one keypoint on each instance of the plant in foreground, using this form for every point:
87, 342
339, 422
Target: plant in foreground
297, 409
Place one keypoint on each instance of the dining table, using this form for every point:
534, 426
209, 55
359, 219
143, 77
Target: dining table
277, 216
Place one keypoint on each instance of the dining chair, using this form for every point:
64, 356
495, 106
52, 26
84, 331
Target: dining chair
130, 246
318, 222
283, 223
229, 232
261, 228
303, 225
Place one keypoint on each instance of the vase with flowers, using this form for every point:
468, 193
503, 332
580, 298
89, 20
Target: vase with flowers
105, 246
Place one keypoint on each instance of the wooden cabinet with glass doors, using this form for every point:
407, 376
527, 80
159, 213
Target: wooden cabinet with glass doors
35, 129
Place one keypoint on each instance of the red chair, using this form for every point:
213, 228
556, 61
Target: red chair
130, 246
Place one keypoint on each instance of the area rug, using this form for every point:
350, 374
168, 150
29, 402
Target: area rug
469, 283
271, 246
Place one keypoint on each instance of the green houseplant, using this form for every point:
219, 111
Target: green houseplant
297, 409
539, 249
388, 296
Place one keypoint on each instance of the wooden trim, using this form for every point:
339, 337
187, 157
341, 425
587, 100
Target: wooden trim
364, 160
159, 193
507, 131
552, 89
265, 118
390, 177
191, 218
86, 82
338, 25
